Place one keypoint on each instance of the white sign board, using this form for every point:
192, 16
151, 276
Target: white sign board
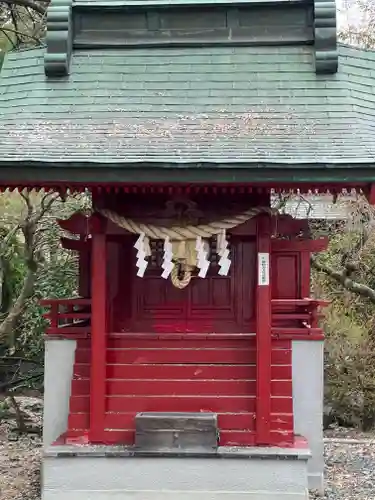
263, 269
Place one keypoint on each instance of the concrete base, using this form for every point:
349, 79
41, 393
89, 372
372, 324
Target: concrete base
169, 495
114, 473
308, 395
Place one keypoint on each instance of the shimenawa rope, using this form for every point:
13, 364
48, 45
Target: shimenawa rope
183, 233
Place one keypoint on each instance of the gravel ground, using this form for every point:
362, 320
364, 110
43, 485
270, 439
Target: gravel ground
350, 471
349, 455
20, 455
350, 465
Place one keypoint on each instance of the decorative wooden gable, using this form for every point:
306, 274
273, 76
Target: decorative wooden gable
86, 25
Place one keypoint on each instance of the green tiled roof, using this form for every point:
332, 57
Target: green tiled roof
148, 3
181, 105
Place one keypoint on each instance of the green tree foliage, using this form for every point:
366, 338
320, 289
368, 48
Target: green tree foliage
345, 274
22, 23
33, 266
358, 27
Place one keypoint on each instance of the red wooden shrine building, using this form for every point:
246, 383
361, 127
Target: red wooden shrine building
222, 344
194, 315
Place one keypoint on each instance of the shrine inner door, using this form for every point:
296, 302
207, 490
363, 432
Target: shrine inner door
214, 304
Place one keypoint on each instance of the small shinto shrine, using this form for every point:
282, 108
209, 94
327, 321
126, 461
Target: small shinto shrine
191, 364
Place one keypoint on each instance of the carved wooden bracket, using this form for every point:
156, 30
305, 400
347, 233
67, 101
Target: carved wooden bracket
369, 192
325, 35
59, 38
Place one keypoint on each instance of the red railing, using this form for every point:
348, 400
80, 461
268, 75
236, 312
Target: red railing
291, 318
297, 318
68, 317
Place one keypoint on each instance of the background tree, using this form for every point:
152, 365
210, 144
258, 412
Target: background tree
345, 275
22, 22
357, 23
33, 266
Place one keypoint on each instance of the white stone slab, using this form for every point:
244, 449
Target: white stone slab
147, 478
170, 495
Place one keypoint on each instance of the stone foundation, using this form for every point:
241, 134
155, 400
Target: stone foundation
104, 472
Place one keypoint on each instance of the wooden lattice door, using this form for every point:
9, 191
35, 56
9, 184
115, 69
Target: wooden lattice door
215, 304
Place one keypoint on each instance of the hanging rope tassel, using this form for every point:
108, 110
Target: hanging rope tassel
143, 250
203, 263
223, 252
167, 264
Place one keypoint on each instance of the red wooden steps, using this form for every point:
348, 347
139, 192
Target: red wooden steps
183, 372
164, 388
215, 375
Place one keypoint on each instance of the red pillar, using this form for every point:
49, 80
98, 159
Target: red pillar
84, 269
98, 331
263, 331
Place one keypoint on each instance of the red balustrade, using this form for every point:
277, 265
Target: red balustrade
297, 318
68, 318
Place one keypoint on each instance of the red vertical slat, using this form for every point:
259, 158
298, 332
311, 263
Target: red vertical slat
263, 332
84, 267
305, 275
98, 332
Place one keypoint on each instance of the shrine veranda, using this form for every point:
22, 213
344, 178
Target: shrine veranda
191, 364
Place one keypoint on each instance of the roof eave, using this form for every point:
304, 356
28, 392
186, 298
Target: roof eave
38, 172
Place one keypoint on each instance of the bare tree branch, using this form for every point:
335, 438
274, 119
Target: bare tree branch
6, 32
13, 15
22, 381
41, 9
29, 228
360, 25
21, 360
20, 420
18, 34
343, 278
46, 202
26, 198
9, 323
8, 238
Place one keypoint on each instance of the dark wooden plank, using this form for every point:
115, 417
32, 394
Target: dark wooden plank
194, 356
227, 438
227, 421
119, 343
181, 340
81, 387
182, 372
168, 341
218, 404
310, 246
185, 356
177, 404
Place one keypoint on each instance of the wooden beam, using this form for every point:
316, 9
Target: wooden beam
370, 193
77, 223
98, 331
82, 245
311, 246
263, 332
